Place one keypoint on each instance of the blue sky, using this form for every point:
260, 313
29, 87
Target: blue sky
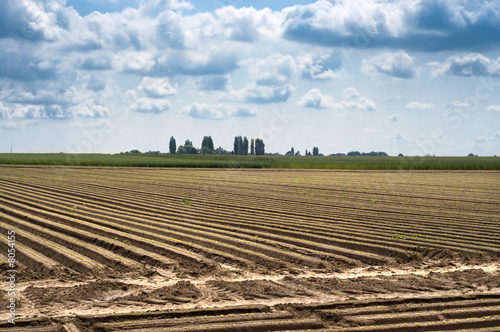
412, 77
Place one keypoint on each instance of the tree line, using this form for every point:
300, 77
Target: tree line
243, 147
240, 147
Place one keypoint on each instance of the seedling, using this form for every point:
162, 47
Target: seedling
187, 201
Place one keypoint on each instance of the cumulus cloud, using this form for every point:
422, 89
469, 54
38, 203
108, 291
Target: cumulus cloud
425, 25
256, 94
418, 106
350, 93
90, 110
393, 117
362, 104
321, 67
195, 63
141, 62
398, 64
472, 64
204, 111
33, 20
156, 87
272, 70
493, 108
151, 105
35, 112
217, 112
314, 98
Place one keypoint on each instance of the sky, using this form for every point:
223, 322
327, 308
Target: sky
415, 77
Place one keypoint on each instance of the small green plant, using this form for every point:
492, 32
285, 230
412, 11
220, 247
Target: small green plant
187, 201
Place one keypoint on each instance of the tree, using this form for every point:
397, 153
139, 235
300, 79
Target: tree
252, 147
172, 147
315, 151
221, 150
208, 143
206, 150
245, 146
238, 143
259, 147
187, 148
291, 152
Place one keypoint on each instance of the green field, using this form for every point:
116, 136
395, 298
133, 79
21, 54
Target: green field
270, 161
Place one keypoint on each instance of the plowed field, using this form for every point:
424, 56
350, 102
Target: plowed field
106, 249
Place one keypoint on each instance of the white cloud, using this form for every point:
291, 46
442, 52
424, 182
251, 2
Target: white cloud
472, 64
314, 98
418, 106
416, 25
217, 112
398, 64
350, 93
151, 105
393, 117
493, 108
157, 87
256, 94
141, 62
204, 111
276, 69
89, 110
459, 104
363, 104
321, 67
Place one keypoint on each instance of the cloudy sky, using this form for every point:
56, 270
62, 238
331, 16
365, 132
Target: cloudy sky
413, 77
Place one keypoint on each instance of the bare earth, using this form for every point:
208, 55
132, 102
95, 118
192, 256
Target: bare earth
238, 264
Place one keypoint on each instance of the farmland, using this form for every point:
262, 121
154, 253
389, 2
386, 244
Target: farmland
149, 249
267, 161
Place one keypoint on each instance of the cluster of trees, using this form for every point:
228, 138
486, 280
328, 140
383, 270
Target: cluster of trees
240, 146
315, 152
372, 153
207, 147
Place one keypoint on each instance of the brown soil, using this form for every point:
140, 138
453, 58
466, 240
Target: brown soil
181, 292
321, 250
252, 289
77, 293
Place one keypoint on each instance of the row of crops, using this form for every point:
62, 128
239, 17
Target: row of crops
474, 312
121, 219
200, 224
